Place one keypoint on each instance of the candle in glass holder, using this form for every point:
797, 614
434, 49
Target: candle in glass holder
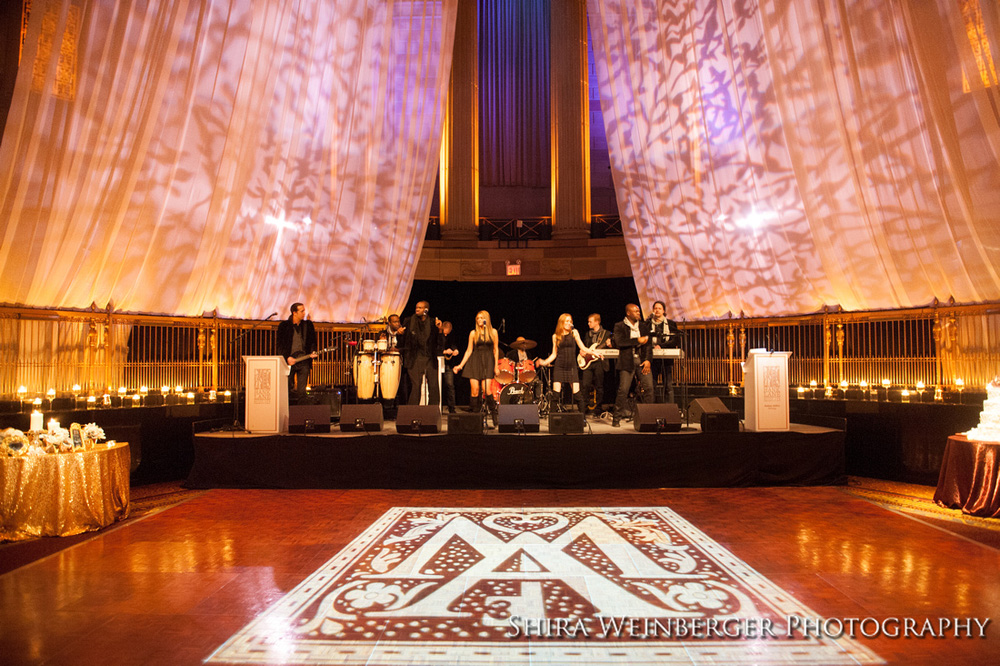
905, 395
213, 395
36, 420
938, 394
227, 396
863, 385
801, 391
190, 396
164, 390
178, 389
812, 387
143, 390
121, 391
135, 399
76, 390
843, 388
920, 390
91, 401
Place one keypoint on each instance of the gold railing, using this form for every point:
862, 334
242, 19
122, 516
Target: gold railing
943, 345
100, 349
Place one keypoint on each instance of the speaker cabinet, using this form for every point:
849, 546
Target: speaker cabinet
705, 406
720, 422
465, 423
308, 418
518, 418
657, 417
565, 423
358, 418
418, 419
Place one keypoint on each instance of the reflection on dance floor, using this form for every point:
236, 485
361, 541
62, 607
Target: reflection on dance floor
537, 585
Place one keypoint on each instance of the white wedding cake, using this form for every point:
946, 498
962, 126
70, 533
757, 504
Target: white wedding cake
988, 429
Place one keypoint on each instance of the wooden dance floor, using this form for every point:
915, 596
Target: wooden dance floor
601, 457
510, 577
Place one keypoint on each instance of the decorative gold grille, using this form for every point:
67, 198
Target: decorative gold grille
102, 350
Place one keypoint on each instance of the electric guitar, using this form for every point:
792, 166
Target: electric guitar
585, 358
304, 355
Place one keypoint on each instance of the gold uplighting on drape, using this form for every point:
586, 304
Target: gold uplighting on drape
224, 155
777, 156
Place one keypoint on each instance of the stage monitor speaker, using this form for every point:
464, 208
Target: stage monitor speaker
565, 423
518, 418
308, 418
465, 423
705, 406
418, 419
358, 418
720, 422
657, 417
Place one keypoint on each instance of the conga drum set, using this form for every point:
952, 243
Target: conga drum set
376, 367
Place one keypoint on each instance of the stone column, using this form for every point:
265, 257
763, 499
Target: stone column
459, 200
570, 118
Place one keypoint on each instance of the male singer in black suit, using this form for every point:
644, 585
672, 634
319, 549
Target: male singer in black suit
422, 345
296, 343
631, 336
664, 334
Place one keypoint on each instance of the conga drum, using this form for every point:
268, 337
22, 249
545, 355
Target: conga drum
368, 345
364, 375
389, 373
382, 345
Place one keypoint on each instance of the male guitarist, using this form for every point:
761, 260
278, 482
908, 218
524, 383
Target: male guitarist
594, 365
296, 343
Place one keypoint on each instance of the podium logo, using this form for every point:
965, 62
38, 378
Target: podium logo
443, 586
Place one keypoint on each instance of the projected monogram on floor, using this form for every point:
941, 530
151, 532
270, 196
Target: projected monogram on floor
536, 585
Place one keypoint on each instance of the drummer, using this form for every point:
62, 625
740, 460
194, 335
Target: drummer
524, 363
519, 350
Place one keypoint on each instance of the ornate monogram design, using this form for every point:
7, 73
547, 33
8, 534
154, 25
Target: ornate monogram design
442, 586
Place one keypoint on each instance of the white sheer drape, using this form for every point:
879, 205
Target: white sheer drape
225, 154
773, 157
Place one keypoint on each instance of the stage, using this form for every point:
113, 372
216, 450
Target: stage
601, 457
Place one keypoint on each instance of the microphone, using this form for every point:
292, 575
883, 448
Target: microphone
273, 314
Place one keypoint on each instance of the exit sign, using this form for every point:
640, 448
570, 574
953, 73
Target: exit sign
513, 268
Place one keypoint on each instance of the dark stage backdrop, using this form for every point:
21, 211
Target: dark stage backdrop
530, 309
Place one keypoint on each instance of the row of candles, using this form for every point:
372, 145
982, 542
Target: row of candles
871, 390
135, 399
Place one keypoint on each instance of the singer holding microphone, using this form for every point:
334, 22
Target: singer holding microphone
296, 343
565, 343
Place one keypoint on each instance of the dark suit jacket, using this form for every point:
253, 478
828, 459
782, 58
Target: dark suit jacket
627, 344
411, 345
658, 336
286, 332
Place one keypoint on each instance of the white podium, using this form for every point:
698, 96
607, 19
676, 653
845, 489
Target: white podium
766, 382
267, 394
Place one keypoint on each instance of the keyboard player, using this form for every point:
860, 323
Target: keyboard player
664, 334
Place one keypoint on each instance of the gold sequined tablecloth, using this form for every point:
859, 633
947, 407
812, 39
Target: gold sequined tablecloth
63, 493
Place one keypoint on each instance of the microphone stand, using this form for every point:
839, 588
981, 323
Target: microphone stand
236, 426
682, 362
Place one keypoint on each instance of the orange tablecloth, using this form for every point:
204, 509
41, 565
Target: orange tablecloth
970, 477
63, 493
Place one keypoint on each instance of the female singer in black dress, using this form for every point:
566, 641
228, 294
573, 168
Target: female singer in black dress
565, 343
482, 356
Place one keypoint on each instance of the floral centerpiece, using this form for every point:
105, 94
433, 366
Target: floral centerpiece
15, 442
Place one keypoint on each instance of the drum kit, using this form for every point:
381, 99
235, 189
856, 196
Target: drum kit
376, 366
518, 383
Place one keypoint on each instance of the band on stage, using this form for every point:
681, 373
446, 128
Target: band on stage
418, 359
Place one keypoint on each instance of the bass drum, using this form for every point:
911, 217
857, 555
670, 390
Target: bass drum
364, 375
388, 374
516, 394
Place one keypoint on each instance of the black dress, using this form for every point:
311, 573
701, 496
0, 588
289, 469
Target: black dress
480, 364
566, 371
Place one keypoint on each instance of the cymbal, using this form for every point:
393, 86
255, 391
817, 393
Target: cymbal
522, 343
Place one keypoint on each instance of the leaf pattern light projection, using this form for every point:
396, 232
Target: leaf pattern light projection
235, 155
777, 156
